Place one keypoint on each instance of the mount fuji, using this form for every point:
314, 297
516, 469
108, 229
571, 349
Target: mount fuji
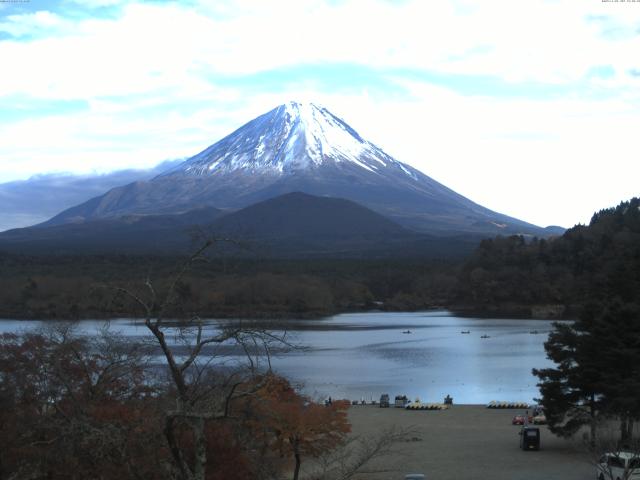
300, 147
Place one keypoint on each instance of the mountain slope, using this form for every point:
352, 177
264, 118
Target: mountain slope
300, 147
300, 215
294, 225
31, 201
128, 234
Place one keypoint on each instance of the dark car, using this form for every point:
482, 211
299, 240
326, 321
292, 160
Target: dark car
530, 438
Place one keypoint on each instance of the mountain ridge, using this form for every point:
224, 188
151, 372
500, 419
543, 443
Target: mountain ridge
293, 225
305, 148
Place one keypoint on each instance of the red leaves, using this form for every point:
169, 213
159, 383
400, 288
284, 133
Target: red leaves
66, 410
72, 407
295, 423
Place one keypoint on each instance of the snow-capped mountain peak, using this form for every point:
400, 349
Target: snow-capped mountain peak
292, 137
300, 147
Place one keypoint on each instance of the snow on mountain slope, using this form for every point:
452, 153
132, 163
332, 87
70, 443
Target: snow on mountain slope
300, 147
292, 137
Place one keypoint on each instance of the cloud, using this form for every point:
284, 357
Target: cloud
41, 197
548, 161
97, 3
154, 46
496, 90
29, 24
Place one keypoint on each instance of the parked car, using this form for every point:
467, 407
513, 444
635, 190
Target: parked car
540, 419
618, 466
415, 476
384, 400
530, 438
520, 420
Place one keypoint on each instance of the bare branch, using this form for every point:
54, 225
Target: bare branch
357, 454
147, 308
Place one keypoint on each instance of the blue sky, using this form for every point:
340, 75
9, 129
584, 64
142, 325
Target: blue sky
531, 108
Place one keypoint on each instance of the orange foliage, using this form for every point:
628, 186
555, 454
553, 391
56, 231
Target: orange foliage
293, 425
67, 412
69, 409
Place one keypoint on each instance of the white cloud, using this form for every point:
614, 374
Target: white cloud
39, 22
154, 45
546, 161
96, 3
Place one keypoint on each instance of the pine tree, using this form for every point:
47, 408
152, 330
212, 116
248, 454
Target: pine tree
617, 328
571, 392
597, 370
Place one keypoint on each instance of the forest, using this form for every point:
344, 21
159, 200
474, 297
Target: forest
52, 287
588, 263
594, 380
505, 276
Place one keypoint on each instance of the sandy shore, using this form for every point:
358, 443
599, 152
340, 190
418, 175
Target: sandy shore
469, 442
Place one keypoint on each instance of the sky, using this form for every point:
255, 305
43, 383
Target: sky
529, 107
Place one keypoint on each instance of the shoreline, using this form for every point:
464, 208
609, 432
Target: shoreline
362, 356
455, 310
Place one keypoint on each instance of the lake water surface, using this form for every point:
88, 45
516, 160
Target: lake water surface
363, 355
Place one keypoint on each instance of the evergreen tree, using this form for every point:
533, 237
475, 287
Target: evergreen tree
597, 370
571, 392
617, 329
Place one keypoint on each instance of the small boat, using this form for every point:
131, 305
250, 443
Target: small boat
465, 331
485, 336
406, 331
534, 332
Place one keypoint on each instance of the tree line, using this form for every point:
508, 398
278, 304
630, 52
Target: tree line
49, 287
594, 262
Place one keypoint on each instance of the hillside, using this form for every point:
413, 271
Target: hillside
294, 225
559, 275
131, 234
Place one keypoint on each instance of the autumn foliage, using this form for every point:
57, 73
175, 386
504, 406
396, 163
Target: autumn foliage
74, 407
293, 425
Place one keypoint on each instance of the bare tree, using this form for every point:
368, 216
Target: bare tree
200, 395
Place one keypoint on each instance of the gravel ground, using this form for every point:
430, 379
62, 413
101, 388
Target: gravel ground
469, 442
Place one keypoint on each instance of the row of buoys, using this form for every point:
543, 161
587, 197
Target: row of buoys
427, 406
494, 404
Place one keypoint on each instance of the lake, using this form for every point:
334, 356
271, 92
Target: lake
363, 355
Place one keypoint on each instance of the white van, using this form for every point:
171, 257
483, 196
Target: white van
619, 466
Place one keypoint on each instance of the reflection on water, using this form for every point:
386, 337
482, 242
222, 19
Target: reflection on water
367, 354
